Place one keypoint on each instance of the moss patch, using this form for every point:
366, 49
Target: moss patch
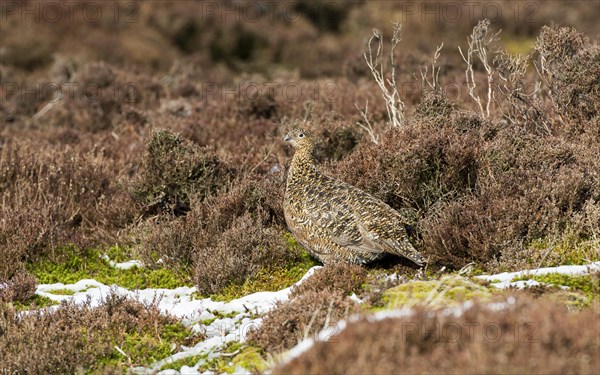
89, 265
567, 250
187, 361
62, 292
582, 290
251, 358
149, 345
118, 253
236, 355
448, 290
34, 302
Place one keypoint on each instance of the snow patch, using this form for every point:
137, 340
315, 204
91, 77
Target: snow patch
127, 265
242, 313
504, 280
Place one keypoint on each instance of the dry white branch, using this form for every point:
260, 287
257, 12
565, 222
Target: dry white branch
479, 43
434, 83
389, 89
367, 124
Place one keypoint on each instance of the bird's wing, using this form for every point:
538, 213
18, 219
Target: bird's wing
358, 238
377, 228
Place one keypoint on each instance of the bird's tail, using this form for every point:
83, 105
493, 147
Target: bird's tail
414, 255
407, 250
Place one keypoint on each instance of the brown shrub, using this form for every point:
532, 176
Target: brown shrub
478, 190
572, 66
337, 143
529, 336
99, 97
239, 253
344, 278
533, 187
20, 287
302, 317
167, 243
174, 171
416, 167
240, 233
73, 338
55, 196
25, 50
317, 303
227, 238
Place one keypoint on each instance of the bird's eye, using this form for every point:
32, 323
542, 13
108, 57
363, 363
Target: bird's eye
301, 135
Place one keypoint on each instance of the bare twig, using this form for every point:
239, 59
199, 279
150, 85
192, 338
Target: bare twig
328, 317
523, 106
479, 43
434, 84
389, 89
311, 322
367, 124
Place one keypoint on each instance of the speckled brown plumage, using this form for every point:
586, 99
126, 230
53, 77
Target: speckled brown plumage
336, 221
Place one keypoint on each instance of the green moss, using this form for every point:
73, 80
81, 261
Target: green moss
218, 365
566, 250
146, 346
272, 279
449, 290
62, 292
119, 253
251, 358
208, 322
187, 361
582, 290
36, 301
585, 283
88, 264
221, 315
236, 355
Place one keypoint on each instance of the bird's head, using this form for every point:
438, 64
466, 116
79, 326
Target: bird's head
299, 138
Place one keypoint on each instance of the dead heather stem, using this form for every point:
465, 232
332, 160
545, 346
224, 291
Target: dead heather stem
480, 41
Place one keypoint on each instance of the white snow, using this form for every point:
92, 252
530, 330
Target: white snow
504, 280
127, 265
245, 313
123, 265
180, 302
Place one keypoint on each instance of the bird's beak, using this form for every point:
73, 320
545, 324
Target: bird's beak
287, 138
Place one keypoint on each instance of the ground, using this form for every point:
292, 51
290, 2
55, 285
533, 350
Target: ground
143, 170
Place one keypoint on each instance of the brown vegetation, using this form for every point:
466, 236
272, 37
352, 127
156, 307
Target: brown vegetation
74, 338
474, 189
526, 336
318, 303
164, 134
